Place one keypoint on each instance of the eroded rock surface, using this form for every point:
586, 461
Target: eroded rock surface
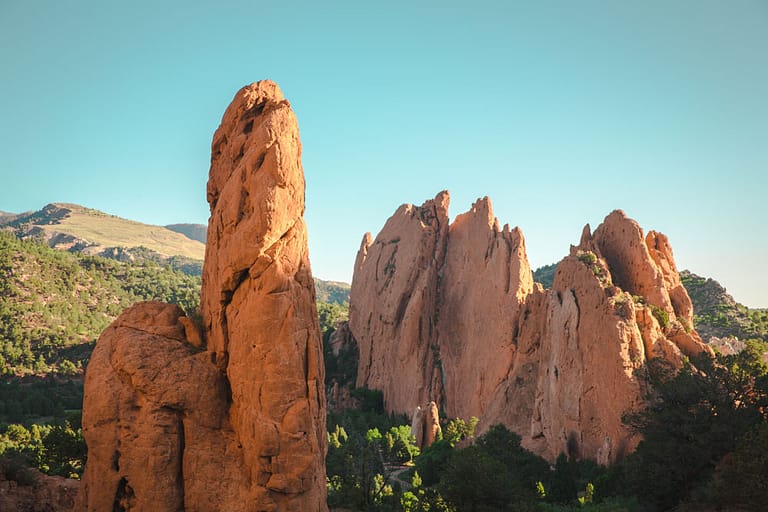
485, 277
43, 494
560, 367
233, 418
395, 299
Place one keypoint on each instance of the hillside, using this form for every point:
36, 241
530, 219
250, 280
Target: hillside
718, 315
54, 304
332, 291
76, 228
545, 275
6, 217
197, 232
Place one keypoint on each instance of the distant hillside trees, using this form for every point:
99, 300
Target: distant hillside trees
52, 302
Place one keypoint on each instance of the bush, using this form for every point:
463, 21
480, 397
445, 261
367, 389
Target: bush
587, 257
661, 316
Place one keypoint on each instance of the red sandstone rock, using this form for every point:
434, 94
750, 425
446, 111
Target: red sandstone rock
233, 420
46, 494
425, 425
394, 300
485, 277
153, 415
431, 424
591, 368
559, 366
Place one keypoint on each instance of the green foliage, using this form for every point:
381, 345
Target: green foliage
545, 275
360, 459
64, 451
57, 449
340, 368
458, 430
332, 292
661, 316
53, 301
699, 415
401, 445
587, 257
433, 460
38, 399
369, 400
495, 473
67, 368
330, 314
744, 478
717, 314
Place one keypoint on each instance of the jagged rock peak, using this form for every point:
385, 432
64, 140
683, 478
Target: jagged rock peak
417, 296
644, 266
397, 277
455, 318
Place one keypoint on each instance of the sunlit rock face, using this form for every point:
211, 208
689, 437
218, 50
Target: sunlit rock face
233, 418
450, 313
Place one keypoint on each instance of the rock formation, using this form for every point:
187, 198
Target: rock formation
394, 299
425, 425
234, 419
451, 314
43, 494
485, 277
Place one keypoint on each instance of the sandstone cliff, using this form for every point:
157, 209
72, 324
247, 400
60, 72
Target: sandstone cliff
395, 299
233, 419
558, 366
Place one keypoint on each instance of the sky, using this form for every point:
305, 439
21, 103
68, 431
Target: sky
559, 111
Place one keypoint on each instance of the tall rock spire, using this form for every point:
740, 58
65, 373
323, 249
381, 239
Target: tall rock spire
239, 424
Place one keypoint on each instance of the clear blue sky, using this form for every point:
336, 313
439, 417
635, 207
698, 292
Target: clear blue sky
559, 111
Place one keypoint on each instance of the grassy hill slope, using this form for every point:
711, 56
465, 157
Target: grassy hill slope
197, 232
332, 291
101, 230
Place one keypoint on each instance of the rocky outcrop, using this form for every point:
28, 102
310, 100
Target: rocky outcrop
41, 493
160, 422
558, 366
395, 299
233, 419
425, 425
484, 279
258, 299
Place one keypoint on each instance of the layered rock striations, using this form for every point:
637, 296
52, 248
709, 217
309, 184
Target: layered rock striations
558, 366
233, 419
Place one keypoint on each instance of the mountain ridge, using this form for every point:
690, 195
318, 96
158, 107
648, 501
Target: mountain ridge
192, 231
76, 228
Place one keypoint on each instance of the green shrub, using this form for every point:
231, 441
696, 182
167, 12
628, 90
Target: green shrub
661, 316
587, 257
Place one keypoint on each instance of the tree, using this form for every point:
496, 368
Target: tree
64, 451
696, 419
744, 478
